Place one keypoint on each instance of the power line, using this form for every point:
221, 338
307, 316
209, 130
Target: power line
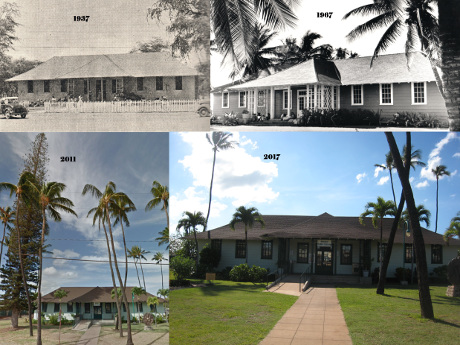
101, 261
80, 240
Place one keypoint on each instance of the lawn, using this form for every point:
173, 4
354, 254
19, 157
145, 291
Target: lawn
394, 318
225, 313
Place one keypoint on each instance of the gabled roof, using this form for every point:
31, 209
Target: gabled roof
324, 226
92, 294
110, 65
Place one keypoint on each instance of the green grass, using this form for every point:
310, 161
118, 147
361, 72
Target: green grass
225, 313
394, 318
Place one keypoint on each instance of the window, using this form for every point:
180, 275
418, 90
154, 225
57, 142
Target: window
345, 254
418, 93
71, 84
261, 98
302, 253
217, 245
56, 307
159, 83
140, 84
63, 85
87, 308
46, 86
141, 308
311, 96
30, 86
124, 307
224, 99
356, 95
285, 99
436, 254
70, 307
108, 308
267, 249
44, 307
178, 83
408, 253
242, 99
386, 94
384, 249
240, 249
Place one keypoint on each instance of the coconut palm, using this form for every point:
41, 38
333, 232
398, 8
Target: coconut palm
24, 196
133, 253
439, 171
453, 229
50, 203
233, 23
153, 301
102, 212
247, 216
191, 222
378, 210
138, 254
220, 141
164, 237
60, 294
117, 295
159, 258
423, 215
160, 195
138, 292
7, 218
291, 53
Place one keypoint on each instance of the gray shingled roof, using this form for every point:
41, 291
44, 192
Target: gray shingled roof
111, 65
324, 226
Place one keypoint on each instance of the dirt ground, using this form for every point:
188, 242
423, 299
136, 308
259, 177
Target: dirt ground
39, 121
139, 338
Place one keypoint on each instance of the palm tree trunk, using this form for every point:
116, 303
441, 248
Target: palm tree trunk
161, 269
210, 189
392, 187
126, 252
40, 272
3, 241
167, 214
196, 246
422, 269
137, 271
437, 193
143, 277
381, 248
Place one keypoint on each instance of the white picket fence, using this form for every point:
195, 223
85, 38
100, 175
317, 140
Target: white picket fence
164, 106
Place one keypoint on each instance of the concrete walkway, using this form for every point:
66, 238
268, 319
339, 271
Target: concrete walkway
316, 318
288, 286
91, 336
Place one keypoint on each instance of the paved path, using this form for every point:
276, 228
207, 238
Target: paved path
316, 318
289, 286
91, 336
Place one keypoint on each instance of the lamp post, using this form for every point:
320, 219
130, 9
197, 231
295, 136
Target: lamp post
407, 233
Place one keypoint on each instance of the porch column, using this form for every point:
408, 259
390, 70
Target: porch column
289, 100
256, 96
102, 90
248, 100
266, 101
272, 102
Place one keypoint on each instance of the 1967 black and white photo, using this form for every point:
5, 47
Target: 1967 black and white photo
361, 65
104, 66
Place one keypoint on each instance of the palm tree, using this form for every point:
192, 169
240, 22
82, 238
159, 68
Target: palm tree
159, 258
153, 301
50, 202
247, 216
138, 254
423, 215
439, 171
453, 229
164, 237
160, 195
378, 211
191, 221
388, 165
133, 253
233, 23
24, 196
102, 212
138, 291
7, 218
60, 294
291, 53
117, 295
220, 141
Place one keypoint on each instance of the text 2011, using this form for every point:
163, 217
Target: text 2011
275, 156
80, 18
324, 14
68, 159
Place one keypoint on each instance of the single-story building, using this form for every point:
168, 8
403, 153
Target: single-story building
324, 245
389, 87
102, 77
95, 303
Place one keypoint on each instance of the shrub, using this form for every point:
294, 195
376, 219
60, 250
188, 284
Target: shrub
224, 274
209, 258
244, 273
160, 318
400, 273
182, 283
441, 274
54, 319
258, 274
183, 267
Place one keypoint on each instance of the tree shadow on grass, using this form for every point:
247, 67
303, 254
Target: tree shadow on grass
447, 323
216, 290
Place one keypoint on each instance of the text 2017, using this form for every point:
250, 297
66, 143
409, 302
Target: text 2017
275, 156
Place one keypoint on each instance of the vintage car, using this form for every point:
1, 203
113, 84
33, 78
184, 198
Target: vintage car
10, 107
204, 108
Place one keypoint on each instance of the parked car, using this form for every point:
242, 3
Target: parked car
10, 107
204, 108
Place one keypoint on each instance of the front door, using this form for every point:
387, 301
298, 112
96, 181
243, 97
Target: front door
301, 100
97, 312
324, 260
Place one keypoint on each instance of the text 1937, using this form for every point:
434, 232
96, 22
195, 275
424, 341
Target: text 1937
80, 18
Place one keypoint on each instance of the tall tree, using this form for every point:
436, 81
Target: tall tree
50, 202
155, 45
60, 294
291, 53
439, 171
164, 237
7, 218
138, 292
133, 253
192, 221
220, 141
388, 166
422, 269
247, 216
453, 229
159, 258
160, 196
8, 12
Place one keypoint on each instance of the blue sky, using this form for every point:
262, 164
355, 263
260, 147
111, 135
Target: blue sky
131, 160
315, 173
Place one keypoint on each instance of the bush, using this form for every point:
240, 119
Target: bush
224, 274
177, 282
400, 273
183, 267
441, 274
338, 117
160, 318
54, 319
244, 273
209, 258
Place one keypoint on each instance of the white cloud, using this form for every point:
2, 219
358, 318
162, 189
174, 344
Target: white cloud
411, 179
434, 158
456, 155
383, 180
68, 254
360, 177
422, 184
245, 141
377, 171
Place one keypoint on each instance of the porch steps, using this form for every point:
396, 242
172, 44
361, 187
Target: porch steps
335, 280
83, 325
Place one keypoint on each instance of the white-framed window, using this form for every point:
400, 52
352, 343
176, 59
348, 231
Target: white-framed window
261, 98
418, 93
224, 99
386, 94
242, 99
285, 99
357, 95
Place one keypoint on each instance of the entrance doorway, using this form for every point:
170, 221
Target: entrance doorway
324, 256
97, 312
